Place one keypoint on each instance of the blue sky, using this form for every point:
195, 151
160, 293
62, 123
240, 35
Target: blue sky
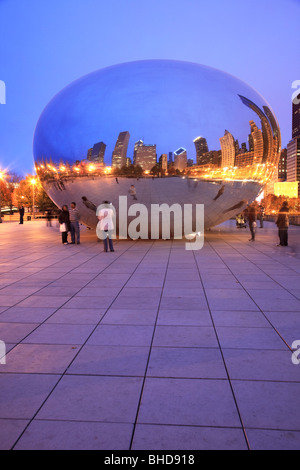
45, 45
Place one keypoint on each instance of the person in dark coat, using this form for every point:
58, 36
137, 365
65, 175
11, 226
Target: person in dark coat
252, 217
64, 221
282, 223
49, 218
21, 212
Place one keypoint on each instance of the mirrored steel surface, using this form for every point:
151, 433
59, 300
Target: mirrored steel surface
223, 137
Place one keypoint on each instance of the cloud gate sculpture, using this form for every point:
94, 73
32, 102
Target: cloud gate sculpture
157, 132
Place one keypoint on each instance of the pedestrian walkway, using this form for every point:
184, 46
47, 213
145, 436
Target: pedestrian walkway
149, 347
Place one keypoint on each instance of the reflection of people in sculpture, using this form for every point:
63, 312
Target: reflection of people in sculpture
220, 193
132, 192
261, 216
89, 204
49, 218
240, 221
237, 206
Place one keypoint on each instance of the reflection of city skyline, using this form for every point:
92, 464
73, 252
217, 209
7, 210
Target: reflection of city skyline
254, 159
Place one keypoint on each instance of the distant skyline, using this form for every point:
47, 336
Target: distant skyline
47, 45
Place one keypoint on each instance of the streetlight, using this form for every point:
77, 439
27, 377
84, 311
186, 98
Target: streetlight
33, 182
2, 176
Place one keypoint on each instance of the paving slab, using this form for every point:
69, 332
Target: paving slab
94, 398
62, 435
156, 437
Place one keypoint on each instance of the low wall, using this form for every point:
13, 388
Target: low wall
294, 219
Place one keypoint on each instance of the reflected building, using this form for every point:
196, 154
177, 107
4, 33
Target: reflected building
282, 166
293, 161
96, 154
257, 143
145, 156
270, 130
212, 157
138, 144
201, 149
250, 143
119, 156
228, 150
180, 159
296, 118
244, 160
163, 162
293, 147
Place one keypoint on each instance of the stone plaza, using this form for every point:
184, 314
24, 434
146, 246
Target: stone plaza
149, 347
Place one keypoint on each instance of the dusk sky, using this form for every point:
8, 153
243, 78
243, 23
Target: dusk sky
45, 45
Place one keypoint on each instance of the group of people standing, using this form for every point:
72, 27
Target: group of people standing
252, 214
69, 222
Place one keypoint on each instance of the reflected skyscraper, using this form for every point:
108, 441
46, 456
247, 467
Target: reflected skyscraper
282, 166
201, 149
180, 159
296, 118
270, 133
145, 156
138, 144
228, 150
257, 142
293, 147
163, 162
119, 156
293, 161
96, 154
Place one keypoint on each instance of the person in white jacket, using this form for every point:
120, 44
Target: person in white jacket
105, 227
